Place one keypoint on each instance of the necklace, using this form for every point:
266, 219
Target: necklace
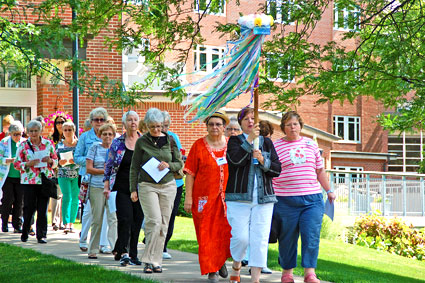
155, 140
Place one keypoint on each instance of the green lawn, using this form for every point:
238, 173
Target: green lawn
338, 262
25, 265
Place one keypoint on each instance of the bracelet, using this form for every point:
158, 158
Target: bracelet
330, 191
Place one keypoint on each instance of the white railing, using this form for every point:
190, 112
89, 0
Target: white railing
359, 192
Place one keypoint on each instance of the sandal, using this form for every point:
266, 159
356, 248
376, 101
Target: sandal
287, 278
92, 256
147, 268
235, 278
311, 278
31, 233
157, 269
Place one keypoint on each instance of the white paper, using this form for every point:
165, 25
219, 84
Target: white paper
66, 156
151, 167
329, 209
111, 202
40, 155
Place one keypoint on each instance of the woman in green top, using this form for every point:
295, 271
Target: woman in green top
156, 197
10, 178
68, 176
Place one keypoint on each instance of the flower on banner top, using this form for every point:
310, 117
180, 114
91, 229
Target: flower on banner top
50, 120
255, 20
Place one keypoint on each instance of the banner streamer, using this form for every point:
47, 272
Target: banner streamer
237, 73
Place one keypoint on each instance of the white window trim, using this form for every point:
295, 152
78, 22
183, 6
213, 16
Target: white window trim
141, 67
198, 10
346, 175
347, 12
32, 80
278, 79
209, 51
346, 128
279, 11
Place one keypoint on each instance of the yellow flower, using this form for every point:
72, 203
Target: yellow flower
258, 22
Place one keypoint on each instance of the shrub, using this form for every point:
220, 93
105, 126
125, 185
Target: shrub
181, 211
388, 234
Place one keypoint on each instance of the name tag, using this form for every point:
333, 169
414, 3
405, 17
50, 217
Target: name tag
221, 161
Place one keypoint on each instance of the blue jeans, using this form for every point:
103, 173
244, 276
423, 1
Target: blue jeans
299, 215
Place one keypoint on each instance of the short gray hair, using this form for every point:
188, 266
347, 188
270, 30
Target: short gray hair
69, 124
100, 111
16, 126
167, 116
34, 123
153, 115
233, 122
129, 113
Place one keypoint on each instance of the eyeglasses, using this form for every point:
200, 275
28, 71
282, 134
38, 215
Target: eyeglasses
215, 124
107, 134
59, 122
166, 125
17, 134
233, 129
68, 130
33, 131
155, 127
98, 120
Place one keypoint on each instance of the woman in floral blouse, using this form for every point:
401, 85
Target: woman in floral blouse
117, 172
68, 176
35, 156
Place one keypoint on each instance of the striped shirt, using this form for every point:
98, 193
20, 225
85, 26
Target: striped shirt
300, 159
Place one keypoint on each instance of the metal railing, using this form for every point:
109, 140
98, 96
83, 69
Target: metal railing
359, 192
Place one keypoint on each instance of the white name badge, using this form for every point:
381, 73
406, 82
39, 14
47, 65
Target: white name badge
221, 161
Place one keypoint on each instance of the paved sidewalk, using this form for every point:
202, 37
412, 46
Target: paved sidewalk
183, 267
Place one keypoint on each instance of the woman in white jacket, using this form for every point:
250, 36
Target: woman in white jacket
10, 178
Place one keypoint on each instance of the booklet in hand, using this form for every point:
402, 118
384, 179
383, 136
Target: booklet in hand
151, 167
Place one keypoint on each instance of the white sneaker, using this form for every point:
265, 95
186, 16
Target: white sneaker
266, 270
105, 250
166, 255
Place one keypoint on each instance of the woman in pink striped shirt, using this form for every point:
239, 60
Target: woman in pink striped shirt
300, 203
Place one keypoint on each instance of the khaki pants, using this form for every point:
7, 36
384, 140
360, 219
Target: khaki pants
98, 204
157, 203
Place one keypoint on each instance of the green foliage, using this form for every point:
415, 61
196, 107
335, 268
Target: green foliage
330, 230
181, 211
390, 235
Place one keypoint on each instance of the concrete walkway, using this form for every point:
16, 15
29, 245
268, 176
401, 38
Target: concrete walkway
183, 267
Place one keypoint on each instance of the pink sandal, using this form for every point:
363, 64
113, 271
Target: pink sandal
287, 278
311, 278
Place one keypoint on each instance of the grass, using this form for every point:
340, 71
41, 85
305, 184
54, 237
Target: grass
25, 265
338, 261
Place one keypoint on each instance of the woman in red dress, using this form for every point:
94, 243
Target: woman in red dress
206, 179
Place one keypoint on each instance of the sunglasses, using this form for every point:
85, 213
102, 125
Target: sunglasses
98, 120
17, 134
215, 124
68, 130
59, 122
233, 129
107, 134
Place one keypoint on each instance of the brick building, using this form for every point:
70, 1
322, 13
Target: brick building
348, 134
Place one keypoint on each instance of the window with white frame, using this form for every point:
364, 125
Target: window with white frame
345, 177
214, 7
12, 78
347, 127
138, 2
346, 17
133, 60
206, 58
280, 10
278, 69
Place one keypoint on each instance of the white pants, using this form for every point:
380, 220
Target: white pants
250, 224
85, 227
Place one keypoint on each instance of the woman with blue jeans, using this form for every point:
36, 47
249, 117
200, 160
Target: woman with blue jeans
300, 205
68, 176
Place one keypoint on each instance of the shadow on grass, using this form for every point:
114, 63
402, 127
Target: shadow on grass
340, 272
189, 246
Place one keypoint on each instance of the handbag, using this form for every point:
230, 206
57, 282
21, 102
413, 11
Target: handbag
179, 174
48, 186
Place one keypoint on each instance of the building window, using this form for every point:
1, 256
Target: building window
341, 178
13, 79
346, 17
347, 127
134, 68
280, 10
409, 149
206, 58
22, 114
279, 69
213, 7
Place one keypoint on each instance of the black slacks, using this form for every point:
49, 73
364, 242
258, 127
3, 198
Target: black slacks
173, 216
13, 198
130, 218
35, 201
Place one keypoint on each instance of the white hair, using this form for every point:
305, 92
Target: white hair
167, 116
100, 111
153, 115
34, 123
69, 124
16, 126
129, 113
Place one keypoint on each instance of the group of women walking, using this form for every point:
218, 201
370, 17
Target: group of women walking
235, 186
234, 189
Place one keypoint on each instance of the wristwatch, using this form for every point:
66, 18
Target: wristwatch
330, 191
